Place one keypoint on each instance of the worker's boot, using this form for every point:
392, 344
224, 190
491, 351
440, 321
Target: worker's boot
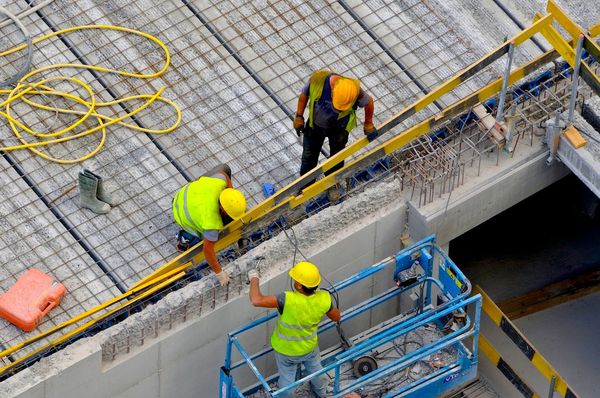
102, 194
88, 187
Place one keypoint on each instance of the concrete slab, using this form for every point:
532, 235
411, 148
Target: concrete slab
566, 335
584, 162
483, 197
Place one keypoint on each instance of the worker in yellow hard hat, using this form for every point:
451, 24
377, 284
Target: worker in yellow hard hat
294, 339
332, 102
202, 207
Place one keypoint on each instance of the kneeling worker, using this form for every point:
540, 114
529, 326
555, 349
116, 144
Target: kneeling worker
294, 339
202, 207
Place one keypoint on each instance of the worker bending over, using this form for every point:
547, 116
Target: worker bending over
332, 101
294, 339
202, 207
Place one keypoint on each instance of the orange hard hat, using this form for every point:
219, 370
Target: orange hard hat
345, 92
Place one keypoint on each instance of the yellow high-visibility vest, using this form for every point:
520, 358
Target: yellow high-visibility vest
317, 82
296, 330
196, 205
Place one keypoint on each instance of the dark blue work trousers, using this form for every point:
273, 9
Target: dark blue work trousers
314, 137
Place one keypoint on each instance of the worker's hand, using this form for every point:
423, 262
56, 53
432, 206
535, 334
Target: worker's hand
299, 124
370, 131
223, 278
253, 273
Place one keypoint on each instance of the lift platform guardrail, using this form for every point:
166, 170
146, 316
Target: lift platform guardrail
442, 295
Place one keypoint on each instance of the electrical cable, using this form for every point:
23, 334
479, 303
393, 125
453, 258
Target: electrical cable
25, 90
334, 293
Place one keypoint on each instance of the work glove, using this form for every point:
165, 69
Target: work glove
370, 131
299, 127
252, 273
223, 278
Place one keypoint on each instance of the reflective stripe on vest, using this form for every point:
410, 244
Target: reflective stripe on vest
196, 205
296, 331
317, 82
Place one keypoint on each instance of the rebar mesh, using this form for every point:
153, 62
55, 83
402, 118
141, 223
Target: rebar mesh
236, 70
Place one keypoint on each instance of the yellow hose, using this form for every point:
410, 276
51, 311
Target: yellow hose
26, 89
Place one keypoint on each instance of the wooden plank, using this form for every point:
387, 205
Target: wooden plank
551, 295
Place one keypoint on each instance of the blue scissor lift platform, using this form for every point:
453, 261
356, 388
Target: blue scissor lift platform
425, 350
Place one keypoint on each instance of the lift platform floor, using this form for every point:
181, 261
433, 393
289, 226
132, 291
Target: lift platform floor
386, 354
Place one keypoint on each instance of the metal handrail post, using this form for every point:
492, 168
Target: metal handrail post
500, 113
552, 383
575, 76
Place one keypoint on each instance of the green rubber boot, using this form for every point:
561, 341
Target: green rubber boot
88, 187
102, 193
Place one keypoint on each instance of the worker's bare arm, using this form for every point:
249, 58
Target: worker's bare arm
302, 101
258, 299
369, 111
211, 257
334, 314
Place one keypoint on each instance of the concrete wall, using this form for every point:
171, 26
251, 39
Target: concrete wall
484, 197
184, 361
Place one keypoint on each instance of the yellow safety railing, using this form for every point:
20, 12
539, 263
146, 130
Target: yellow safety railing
537, 360
286, 199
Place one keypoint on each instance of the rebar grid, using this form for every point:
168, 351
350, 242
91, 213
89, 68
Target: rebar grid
539, 103
227, 117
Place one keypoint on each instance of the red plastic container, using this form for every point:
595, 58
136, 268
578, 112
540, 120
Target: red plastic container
30, 299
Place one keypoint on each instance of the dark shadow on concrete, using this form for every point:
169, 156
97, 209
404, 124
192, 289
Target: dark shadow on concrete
550, 236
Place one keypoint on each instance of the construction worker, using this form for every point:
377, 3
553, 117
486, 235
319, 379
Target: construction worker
202, 207
332, 101
294, 339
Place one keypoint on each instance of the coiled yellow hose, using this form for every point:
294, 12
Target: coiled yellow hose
25, 90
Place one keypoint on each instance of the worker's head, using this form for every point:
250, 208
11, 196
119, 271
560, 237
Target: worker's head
307, 275
233, 202
344, 94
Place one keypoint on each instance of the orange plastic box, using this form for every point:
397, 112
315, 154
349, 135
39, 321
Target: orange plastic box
28, 300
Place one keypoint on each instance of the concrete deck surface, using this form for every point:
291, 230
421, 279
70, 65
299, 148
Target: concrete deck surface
227, 116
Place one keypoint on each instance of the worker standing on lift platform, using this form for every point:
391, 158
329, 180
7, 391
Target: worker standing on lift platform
332, 102
294, 339
202, 207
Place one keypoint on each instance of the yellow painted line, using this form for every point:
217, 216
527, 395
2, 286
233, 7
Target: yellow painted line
540, 363
489, 307
561, 17
547, 371
488, 350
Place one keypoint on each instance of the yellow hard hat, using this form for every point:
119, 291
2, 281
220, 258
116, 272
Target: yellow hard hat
345, 92
233, 202
305, 273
